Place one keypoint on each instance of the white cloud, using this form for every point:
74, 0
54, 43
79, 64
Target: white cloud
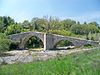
21, 16
12, 8
88, 17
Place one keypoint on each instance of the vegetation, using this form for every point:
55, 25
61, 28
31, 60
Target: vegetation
49, 25
4, 43
86, 63
34, 42
64, 43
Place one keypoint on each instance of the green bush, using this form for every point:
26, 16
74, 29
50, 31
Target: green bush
13, 45
34, 42
88, 45
63, 43
13, 29
4, 42
62, 32
3, 36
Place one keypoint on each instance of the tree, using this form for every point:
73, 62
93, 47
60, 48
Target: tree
4, 42
5, 22
26, 24
68, 23
54, 23
94, 23
39, 24
13, 29
77, 29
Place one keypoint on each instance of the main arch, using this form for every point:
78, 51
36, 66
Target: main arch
22, 38
24, 41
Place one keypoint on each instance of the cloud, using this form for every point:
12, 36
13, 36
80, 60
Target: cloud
88, 17
20, 16
26, 9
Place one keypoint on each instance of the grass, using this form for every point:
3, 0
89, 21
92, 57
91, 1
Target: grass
87, 63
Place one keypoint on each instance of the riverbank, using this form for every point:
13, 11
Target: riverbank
86, 62
26, 56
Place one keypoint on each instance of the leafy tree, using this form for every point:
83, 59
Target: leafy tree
39, 24
4, 42
54, 23
77, 29
5, 22
68, 23
94, 23
13, 29
26, 24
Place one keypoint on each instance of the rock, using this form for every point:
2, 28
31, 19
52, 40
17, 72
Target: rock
9, 59
1, 61
24, 59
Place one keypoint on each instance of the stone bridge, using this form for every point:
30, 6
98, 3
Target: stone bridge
49, 40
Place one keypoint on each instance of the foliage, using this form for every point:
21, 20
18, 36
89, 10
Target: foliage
13, 29
34, 42
4, 43
5, 21
62, 32
39, 24
63, 43
3, 36
66, 27
88, 45
13, 45
84, 29
25, 24
68, 23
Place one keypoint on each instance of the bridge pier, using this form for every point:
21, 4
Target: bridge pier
21, 47
48, 41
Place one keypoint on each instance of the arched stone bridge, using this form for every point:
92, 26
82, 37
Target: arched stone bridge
49, 40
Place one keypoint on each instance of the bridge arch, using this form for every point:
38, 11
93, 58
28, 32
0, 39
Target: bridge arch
24, 40
63, 43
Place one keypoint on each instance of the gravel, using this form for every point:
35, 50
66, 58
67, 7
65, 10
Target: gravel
25, 56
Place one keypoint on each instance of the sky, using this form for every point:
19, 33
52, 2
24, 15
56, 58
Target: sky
78, 10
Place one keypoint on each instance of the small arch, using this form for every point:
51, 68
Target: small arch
63, 44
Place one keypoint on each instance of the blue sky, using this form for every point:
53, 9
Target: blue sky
79, 10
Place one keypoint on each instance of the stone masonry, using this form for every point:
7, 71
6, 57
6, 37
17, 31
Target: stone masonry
49, 40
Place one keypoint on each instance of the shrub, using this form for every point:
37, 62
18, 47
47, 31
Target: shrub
3, 36
92, 38
64, 43
88, 45
62, 32
4, 42
13, 45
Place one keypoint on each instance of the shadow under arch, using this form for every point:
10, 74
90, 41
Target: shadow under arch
63, 44
31, 41
34, 42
